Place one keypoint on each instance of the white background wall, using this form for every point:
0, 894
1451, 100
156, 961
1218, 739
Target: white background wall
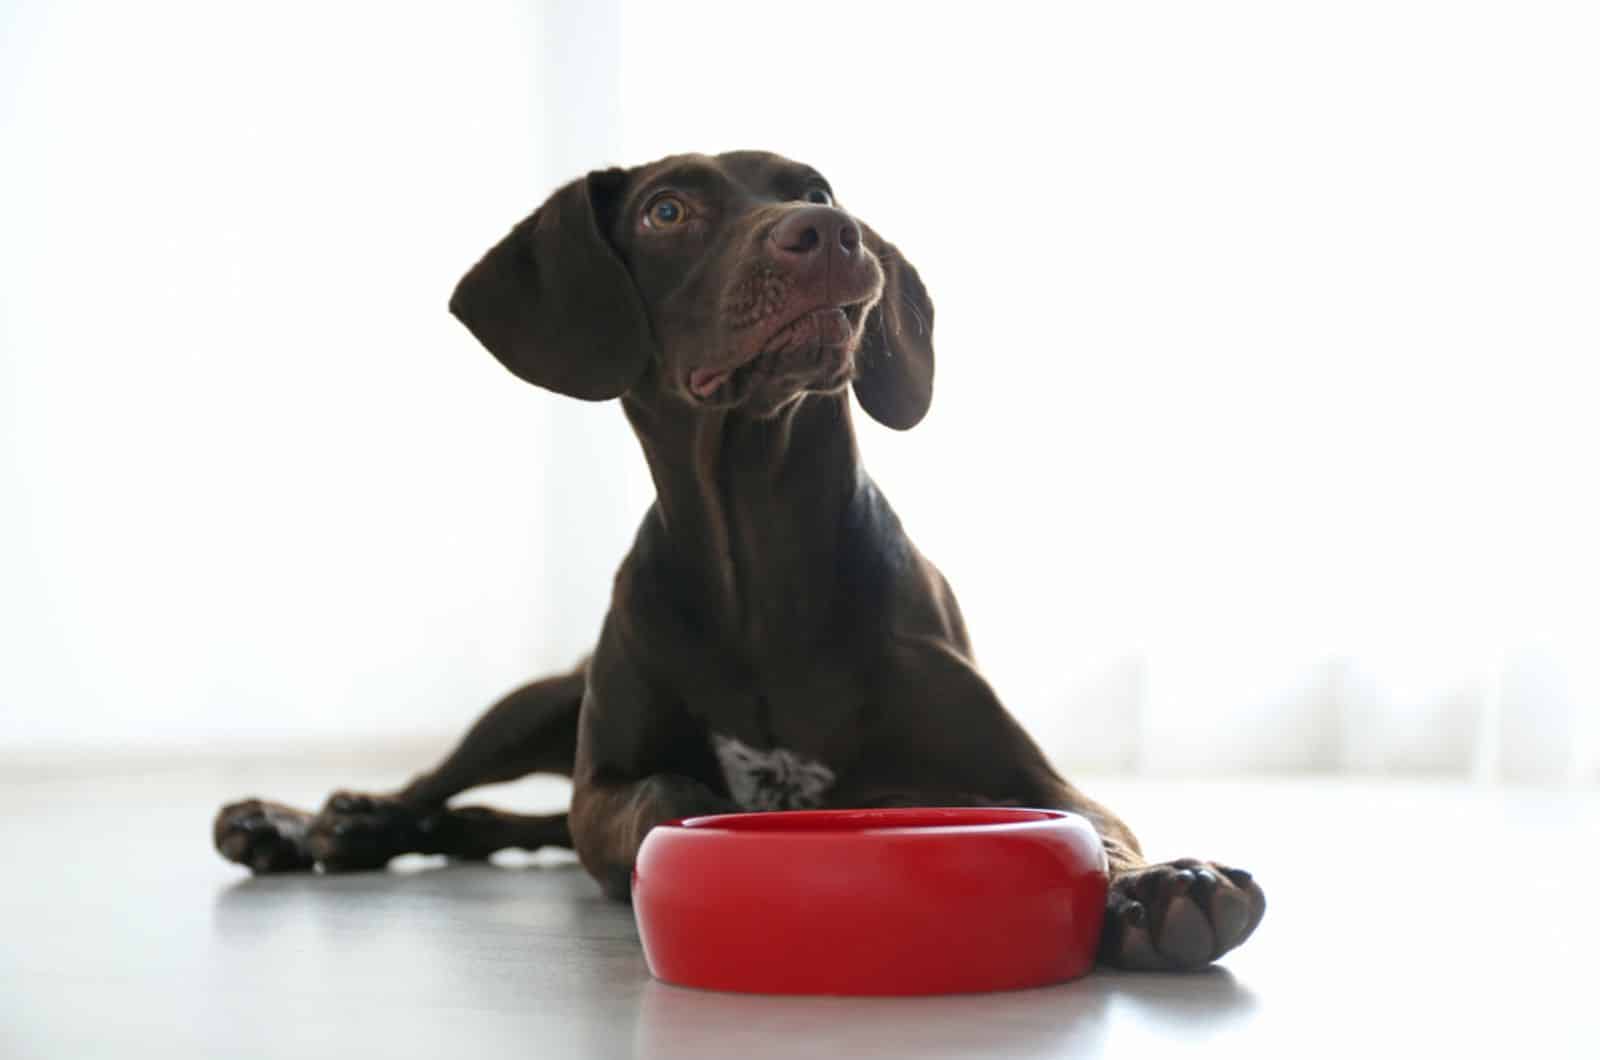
258, 485
1263, 435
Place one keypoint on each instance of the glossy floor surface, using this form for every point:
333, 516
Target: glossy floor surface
1404, 919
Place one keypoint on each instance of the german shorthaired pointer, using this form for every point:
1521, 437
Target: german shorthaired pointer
774, 641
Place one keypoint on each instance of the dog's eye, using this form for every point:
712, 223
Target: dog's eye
819, 196
666, 212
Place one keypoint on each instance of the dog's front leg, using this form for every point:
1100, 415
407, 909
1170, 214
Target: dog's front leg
641, 760
610, 820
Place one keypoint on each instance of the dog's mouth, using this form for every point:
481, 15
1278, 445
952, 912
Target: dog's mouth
704, 382
816, 346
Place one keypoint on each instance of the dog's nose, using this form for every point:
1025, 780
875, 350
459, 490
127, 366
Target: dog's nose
809, 230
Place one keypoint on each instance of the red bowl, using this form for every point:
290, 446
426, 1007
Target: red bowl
899, 901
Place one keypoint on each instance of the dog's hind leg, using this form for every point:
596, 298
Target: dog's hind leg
532, 730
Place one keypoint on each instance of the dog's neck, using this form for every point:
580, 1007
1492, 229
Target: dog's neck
753, 509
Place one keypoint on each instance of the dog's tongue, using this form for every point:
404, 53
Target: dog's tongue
704, 381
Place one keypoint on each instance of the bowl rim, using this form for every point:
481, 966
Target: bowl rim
931, 821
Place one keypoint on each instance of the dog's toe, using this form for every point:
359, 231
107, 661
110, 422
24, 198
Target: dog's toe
1186, 938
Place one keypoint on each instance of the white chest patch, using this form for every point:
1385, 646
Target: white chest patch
770, 780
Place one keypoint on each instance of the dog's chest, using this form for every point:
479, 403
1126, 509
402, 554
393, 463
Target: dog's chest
775, 779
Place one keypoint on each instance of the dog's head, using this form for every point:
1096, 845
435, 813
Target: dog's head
727, 281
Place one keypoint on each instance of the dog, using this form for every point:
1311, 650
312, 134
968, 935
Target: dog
774, 639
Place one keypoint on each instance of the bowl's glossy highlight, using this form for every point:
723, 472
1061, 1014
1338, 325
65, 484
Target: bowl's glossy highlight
893, 901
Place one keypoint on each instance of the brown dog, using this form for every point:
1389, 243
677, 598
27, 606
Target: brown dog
774, 640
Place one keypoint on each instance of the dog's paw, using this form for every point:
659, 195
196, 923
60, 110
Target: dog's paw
263, 836
1179, 915
354, 832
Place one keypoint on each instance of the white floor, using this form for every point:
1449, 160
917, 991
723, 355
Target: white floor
1405, 919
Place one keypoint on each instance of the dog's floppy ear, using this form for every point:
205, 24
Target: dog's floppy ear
554, 302
894, 373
